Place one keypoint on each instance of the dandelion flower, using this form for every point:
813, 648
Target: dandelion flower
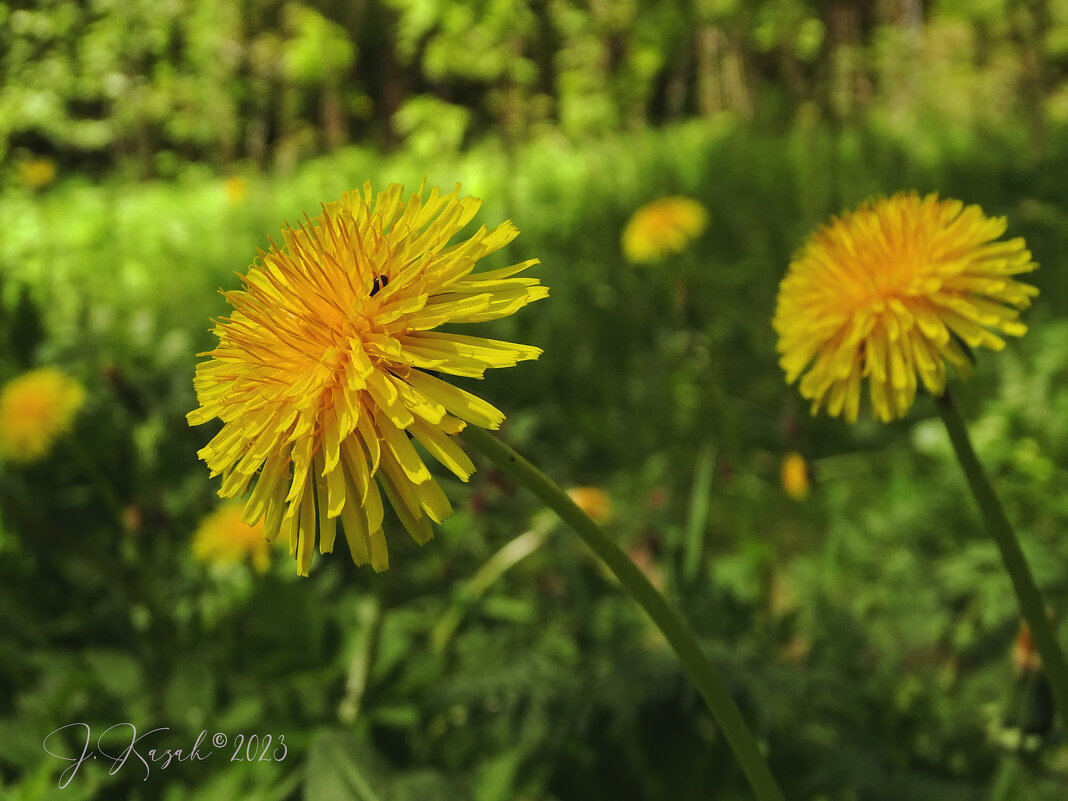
595, 502
35, 409
236, 188
795, 476
893, 291
325, 375
37, 173
663, 227
223, 538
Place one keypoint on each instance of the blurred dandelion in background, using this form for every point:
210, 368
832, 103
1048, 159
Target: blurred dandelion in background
236, 189
37, 408
663, 227
796, 480
223, 538
891, 292
324, 373
595, 502
37, 173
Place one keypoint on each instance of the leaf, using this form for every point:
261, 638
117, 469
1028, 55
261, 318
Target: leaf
119, 674
340, 768
496, 777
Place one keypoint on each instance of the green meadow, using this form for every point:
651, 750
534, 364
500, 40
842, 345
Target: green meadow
866, 631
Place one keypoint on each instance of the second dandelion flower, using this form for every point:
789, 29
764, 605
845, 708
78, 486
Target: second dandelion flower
890, 293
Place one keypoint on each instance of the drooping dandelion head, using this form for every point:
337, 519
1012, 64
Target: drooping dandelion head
890, 293
663, 227
37, 173
223, 538
326, 375
595, 502
36, 408
794, 474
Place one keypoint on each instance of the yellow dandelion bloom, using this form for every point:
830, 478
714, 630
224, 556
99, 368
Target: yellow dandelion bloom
223, 538
37, 173
325, 374
235, 187
795, 476
663, 227
35, 409
893, 291
595, 502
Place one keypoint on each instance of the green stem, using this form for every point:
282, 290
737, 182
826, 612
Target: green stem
368, 614
675, 630
1007, 778
1012, 555
478, 585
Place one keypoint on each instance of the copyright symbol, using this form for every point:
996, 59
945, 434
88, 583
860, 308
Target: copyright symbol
219, 740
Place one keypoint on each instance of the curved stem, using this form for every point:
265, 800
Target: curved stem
1012, 555
475, 587
678, 634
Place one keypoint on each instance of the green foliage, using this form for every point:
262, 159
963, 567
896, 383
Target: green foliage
144, 85
318, 51
431, 127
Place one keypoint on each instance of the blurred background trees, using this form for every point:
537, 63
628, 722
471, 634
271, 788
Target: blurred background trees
149, 84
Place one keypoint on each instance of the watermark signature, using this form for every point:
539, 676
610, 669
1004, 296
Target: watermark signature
121, 745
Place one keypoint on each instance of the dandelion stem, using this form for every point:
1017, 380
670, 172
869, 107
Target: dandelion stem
675, 630
1012, 555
